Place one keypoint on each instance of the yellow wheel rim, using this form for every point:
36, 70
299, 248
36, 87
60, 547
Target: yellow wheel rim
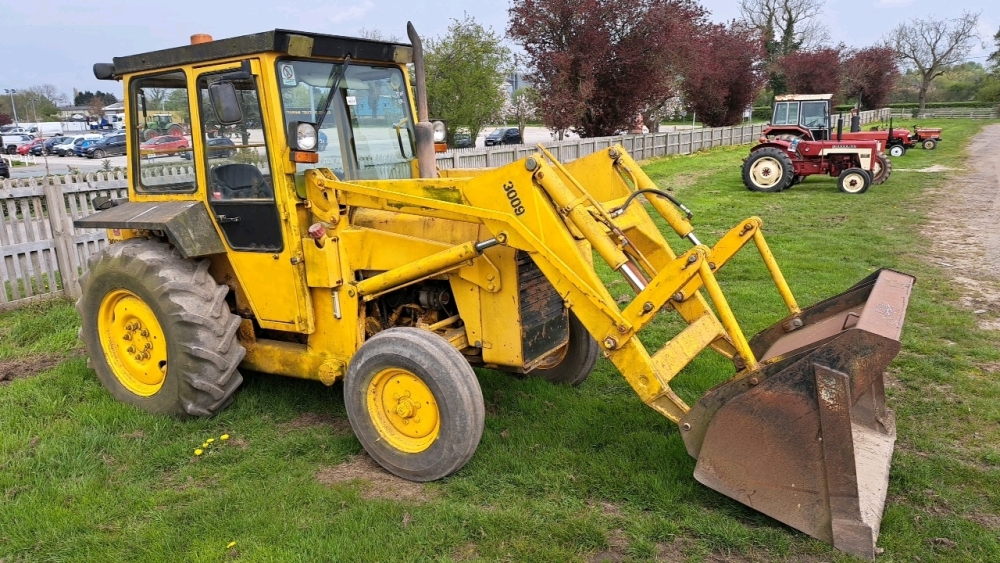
403, 410
133, 342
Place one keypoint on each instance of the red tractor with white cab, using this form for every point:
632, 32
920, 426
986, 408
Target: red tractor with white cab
799, 143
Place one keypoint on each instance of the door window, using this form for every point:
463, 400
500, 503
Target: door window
814, 115
161, 110
240, 186
786, 113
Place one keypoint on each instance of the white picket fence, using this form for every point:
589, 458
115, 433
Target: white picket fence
946, 113
43, 255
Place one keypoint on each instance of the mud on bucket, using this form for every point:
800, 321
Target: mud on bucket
807, 438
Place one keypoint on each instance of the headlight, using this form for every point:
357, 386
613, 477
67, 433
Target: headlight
303, 136
440, 133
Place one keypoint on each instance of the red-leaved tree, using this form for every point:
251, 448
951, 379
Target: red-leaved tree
599, 64
870, 74
5, 119
811, 72
722, 78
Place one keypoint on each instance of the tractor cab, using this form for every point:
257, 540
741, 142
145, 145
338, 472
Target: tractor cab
802, 115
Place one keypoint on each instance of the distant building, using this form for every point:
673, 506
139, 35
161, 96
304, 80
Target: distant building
515, 81
73, 113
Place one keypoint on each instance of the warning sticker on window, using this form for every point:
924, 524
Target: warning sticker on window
352, 101
288, 75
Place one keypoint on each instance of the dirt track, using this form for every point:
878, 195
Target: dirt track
964, 227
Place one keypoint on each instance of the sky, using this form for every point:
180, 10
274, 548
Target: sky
58, 41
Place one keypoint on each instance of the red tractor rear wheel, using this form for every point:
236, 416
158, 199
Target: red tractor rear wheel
768, 169
881, 169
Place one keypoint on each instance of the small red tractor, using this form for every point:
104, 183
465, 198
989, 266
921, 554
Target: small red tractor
925, 137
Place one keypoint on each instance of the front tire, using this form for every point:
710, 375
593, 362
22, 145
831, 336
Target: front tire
881, 169
767, 170
579, 357
158, 330
930, 144
414, 403
854, 181
897, 151
99, 153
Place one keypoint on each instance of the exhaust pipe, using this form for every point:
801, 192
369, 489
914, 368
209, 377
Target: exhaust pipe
840, 127
424, 130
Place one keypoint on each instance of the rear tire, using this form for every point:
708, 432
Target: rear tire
414, 403
580, 357
897, 150
882, 169
138, 293
99, 153
768, 170
854, 181
930, 144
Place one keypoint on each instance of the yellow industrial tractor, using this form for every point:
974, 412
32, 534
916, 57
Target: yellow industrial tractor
317, 239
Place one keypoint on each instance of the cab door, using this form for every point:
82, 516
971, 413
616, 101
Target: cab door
250, 199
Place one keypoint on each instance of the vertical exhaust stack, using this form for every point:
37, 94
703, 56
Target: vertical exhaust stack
424, 129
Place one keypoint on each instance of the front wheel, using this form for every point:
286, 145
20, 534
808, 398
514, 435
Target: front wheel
414, 403
854, 181
897, 150
930, 144
767, 170
881, 169
99, 153
159, 331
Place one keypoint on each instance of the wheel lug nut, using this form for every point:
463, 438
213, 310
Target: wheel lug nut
148, 346
144, 333
138, 357
131, 350
126, 337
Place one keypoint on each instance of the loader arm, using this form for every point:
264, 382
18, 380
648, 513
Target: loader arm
817, 372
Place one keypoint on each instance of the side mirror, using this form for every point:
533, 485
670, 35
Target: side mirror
225, 103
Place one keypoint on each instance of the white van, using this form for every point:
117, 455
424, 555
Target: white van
66, 147
47, 129
11, 142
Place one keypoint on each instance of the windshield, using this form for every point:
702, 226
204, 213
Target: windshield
370, 107
814, 115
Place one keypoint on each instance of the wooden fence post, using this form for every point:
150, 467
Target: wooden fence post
62, 238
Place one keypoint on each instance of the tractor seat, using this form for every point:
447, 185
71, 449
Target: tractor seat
240, 181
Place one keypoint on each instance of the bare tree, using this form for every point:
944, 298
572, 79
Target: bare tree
376, 34
786, 25
930, 46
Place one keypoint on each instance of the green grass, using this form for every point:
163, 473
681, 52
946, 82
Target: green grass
561, 474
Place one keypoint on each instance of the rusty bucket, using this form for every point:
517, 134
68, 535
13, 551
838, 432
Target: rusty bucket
807, 438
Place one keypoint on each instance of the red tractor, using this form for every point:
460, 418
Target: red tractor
925, 137
808, 117
777, 164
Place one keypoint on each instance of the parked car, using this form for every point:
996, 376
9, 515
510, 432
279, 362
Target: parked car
111, 145
11, 142
463, 140
504, 136
216, 148
68, 148
25, 148
13, 130
4, 169
81, 149
163, 146
46, 146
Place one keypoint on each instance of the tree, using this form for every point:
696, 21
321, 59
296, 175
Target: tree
599, 64
5, 119
84, 98
930, 46
722, 80
870, 75
786, 26
811, 72
521, 107
465, 70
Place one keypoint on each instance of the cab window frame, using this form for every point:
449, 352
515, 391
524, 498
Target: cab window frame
136, 140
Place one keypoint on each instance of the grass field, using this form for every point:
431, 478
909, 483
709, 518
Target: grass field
562, 474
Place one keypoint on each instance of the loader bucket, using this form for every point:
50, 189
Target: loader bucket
806, 438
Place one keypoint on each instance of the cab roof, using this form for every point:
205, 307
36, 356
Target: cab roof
800, 97
294, 43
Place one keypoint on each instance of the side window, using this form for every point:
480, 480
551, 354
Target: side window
235, 155
162, 121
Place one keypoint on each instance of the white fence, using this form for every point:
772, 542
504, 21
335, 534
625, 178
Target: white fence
946, 113
42, 254
641, 147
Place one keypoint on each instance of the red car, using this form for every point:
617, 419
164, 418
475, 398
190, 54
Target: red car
23, 149
165, 145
